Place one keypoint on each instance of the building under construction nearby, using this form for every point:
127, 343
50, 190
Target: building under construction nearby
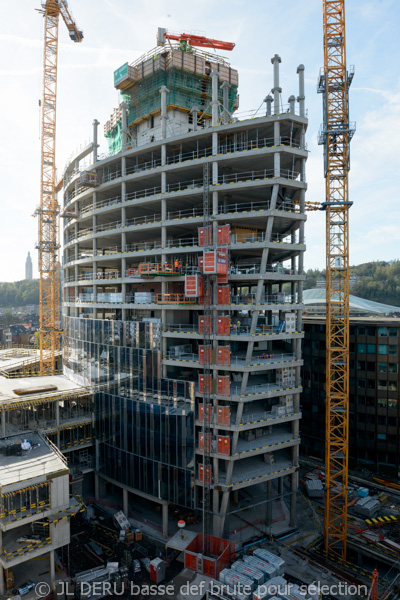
183, 271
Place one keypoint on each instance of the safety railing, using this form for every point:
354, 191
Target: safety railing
152, 191
175, 299
185, 185
186, 213
248, 269
153, 269
266, 389
263, 443
182, 157
258, 175
248, 418
100, 204
151, 164
265, 299
260, 236
286, 205
250, 475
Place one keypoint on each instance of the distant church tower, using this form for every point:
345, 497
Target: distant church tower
28, 267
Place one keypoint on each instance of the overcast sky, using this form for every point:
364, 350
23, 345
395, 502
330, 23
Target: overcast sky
117, 31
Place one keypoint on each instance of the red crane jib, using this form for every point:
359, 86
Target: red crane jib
199, 40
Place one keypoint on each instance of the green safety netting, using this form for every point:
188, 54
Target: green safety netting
186, 89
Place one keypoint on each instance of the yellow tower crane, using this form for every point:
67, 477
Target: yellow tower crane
48, 211
335, 135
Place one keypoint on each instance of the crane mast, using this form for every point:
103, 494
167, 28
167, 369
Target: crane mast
335, 135
48, 211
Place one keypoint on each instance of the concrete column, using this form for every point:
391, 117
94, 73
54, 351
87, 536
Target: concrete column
276, 89
123, 166
214, 101
301, 97
123, 216
280, 486
225, 87
123, 191
165, 520
2, 586
268, 101
293, 489
95, 144
215, 143
3, 423
57, 407
52, 567
269, 503
194, 111
124, 126
125, 501
291, 101
163, 154
123, 242
164, 91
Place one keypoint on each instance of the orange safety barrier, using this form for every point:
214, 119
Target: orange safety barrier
205, 384
223, 234
205, 410
207, 443
204, 354
223, 385
160, 269
223, 415
223, 325
223, 355
223, 445
175, 299
205, 324
204, 236
207, 471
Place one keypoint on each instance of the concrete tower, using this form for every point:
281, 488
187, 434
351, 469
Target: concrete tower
137, 329
28, 267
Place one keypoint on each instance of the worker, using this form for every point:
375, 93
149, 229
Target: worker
176, 265
238, 326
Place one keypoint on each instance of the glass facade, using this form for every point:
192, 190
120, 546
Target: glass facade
144, 422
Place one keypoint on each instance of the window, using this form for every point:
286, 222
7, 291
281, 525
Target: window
393, 368
371, 366
382, 384
392, 386
382, 349
381, 421
361, 348
381, 436
361, 383
393, 331
361, 330
382, 402
392, 349
361, 365
392, 403
371, 384
382, 331
382, 367
371, 348
361, 400
371, 331
392, 421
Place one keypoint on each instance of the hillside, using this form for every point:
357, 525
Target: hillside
19, 293
378, 281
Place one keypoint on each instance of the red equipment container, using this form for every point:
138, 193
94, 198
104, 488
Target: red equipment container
223, 415
204, 324
223, 355
223, 294
204, 354
223, 445
204, 234
223, 385
223, 234
205, 384
223, 325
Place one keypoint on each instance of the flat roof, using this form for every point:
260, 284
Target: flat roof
61, 382
368, 320
17, 465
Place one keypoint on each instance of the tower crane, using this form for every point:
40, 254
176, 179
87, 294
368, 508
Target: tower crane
335, 136
48, 211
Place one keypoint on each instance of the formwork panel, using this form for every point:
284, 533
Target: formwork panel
223, 235
223, 295
204, 354
223, 445
223, 415
223, 385
205, 413
204, 324
223, 355
223, 325
205, 384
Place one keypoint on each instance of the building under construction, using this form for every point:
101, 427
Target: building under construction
183, 271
